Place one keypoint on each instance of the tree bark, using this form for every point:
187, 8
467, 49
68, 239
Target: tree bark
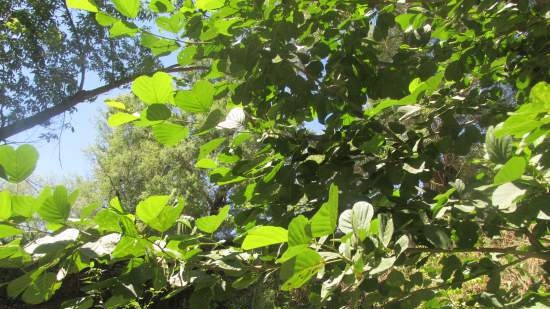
79, 97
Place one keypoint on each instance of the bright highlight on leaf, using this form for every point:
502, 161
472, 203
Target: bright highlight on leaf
210, 224
155, 89
86, 5
263, 236
128, 8
324, 221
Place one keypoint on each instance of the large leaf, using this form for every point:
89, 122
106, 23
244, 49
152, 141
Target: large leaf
5, 205
155, 89
299, 270
17, 164
128, 8
170, 134
512, 170
157, 214
41, 289
324, 221
208, 5
210, 224
172, 24
57, 206
8, 231
299, 231
504, 197
197, 100
263, 236
86, 5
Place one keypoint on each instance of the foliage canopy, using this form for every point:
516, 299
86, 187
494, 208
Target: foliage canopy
433, 144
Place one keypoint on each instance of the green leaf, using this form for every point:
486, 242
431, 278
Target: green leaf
299, 231
122, 28
187, 55
41, 289
158, 46
197, 100
17, 164
104, 19
5, 205
156, 89
206, 163
324, 221
157, 214
504, 197
8, 231
209, 5
357, 219
57, 206
128, 8
437, 236
118, 119
206, 149
115, 104
299, 270
156, 112
385, 264
512, 170
263, 236
498, 149
161, 6
245, 281
385, 229
210, 224
170, 134
172, 24
86, 5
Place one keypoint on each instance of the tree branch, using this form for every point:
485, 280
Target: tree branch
543, 255
79, 97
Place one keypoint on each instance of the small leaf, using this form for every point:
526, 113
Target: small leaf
187, 55
86, 5
245, 281
128, 8
324, 221
155, 89
513, 169
161, 6
210, 224
206, 163
207, 148
385, 230
118, 119
233, 120
158, 46
263, 236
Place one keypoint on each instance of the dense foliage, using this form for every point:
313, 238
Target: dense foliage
432, 148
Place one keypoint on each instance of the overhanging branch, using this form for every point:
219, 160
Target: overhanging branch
79, 97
